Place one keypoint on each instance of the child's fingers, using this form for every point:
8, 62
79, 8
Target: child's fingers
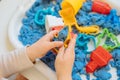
52, 34
61, 51
71, 45
56, 44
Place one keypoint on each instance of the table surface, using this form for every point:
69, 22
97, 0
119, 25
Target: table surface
7, 9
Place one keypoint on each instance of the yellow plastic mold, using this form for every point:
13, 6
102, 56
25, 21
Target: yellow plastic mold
68, 12
75, 5
68, 16
93, 29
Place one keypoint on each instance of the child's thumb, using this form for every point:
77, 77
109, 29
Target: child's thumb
56, 44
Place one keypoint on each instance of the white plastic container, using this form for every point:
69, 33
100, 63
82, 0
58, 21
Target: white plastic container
115, 4
52, 21
39, 68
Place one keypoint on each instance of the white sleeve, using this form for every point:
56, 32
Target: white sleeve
14, 62
3, 79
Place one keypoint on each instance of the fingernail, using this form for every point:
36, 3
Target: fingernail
74, 36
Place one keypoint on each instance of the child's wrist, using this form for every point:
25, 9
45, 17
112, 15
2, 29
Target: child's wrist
30, 54
33, 52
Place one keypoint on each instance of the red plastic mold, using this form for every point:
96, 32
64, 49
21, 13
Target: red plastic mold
101, 7
98, 58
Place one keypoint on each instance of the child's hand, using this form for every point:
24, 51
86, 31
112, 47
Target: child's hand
64, 61
42, 46
20, 77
